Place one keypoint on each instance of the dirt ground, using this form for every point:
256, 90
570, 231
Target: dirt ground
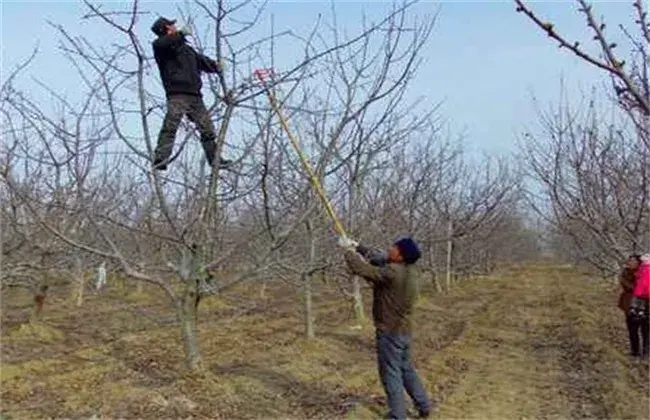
537, 342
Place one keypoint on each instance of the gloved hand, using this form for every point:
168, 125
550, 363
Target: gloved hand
221, 66
186, 30
347, 243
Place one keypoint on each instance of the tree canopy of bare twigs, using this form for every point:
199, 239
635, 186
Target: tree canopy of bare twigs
592, 169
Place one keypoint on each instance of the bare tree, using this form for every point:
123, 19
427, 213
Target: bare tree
594, 179
629, 75
370, 117
583, 208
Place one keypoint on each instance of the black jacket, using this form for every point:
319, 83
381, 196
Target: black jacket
180, 65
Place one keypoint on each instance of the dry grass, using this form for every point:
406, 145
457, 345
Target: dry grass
531, 343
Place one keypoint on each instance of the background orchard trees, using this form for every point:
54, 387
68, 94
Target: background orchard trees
594, 184
591, 165
454, 205
46, 162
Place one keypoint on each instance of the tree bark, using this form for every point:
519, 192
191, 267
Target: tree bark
309, 313
356, 283
79, 283
188, 309
435, 279
358, 301
39, 300
450, 230
263, 290
306, 282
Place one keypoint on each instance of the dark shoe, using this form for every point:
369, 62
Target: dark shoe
424, 414
159, 165
223, 163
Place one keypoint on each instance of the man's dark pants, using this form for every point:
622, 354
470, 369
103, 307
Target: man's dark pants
177, 106
397, 374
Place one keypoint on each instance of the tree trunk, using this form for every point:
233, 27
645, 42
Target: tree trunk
435, 279
356, 283
306, 282
188, 317
358, 301
309, 313
80, 290
79, 283
263, 290
39, 300
450, 231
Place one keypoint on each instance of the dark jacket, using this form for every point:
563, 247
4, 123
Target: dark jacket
626, 280
180, 65
393, 287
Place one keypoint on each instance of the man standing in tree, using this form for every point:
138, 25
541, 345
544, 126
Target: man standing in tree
180, 69
394, 293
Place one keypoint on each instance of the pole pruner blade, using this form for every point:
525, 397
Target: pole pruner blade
263, 73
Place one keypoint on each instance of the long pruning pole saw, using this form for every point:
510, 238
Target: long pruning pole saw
261, 75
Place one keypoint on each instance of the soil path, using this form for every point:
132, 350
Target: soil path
541, 349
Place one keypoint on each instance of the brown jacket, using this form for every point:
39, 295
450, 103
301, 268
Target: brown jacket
394, 292
626, 280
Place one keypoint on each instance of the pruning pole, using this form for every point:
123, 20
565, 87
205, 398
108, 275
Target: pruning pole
305, 163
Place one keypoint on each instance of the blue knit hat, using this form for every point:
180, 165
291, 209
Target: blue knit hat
409, 250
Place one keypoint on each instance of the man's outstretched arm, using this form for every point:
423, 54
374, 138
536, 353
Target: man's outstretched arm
362, 268
207, 64
375, 258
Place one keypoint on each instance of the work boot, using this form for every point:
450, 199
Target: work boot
425, 414
223, 163
159, 165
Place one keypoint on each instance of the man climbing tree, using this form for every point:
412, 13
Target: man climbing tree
180, 69
394, 294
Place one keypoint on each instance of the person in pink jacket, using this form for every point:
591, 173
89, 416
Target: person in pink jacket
642, 283
640, 305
